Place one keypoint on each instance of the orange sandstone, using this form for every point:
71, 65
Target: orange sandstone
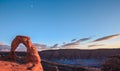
32, 53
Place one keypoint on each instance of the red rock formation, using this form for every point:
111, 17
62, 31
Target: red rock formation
32, 53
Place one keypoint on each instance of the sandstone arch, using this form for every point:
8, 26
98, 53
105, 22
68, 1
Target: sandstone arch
32, 53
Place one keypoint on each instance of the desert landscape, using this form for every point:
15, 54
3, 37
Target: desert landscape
55, 59
59, 35
60, 60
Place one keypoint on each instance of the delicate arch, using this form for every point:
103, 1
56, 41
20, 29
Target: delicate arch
20, 39
32, 53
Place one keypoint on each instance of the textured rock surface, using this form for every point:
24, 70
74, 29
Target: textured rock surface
112, 64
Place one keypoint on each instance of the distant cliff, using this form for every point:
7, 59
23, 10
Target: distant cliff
76, 53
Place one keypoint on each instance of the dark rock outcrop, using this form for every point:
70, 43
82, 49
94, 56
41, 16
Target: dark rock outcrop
112, 64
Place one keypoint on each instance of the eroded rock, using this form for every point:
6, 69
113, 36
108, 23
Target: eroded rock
32, 53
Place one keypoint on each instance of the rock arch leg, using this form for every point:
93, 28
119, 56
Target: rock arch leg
14, 45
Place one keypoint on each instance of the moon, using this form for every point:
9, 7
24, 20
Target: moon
31, 6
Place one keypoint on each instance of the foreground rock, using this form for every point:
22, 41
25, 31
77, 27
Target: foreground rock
12, 66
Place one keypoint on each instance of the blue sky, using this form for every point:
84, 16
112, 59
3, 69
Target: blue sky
56, 21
